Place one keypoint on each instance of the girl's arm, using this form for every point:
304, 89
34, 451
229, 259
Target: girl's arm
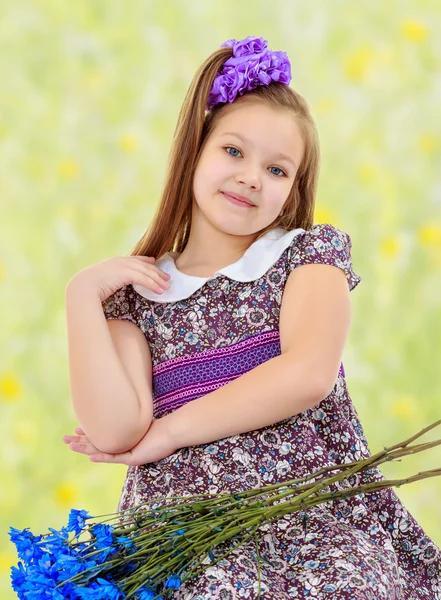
111, 394
271, 392
314, 326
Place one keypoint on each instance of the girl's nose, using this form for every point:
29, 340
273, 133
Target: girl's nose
250, 180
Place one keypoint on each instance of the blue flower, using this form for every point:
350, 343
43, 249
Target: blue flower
57, 541
18, 577
145, 594
104, 540
125, 541
173, 582
76, 520
100, 590
25, 542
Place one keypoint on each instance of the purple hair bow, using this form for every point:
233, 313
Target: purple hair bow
252, 64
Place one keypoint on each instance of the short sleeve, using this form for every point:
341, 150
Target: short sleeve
122, 305
323, 244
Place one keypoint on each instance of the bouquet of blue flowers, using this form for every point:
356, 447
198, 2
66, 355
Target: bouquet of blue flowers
148, 552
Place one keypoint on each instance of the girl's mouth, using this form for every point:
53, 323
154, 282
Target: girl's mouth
237, 202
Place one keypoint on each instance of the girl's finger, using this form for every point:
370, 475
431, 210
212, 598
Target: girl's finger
146, 258
101, 457
91, 450
106, 458
82, 448
76, 439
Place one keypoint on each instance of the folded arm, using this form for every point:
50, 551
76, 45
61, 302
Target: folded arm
314, 326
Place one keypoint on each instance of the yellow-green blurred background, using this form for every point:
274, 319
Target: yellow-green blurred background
91, 92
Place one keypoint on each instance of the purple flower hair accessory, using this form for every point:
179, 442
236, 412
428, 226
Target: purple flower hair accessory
252, 64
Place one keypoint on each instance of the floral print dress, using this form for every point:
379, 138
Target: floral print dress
205, 332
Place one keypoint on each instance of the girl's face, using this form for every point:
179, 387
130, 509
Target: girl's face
242, 156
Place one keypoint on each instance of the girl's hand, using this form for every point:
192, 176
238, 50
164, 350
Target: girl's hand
110, 275
155, 445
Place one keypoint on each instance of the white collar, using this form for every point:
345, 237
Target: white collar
254, 263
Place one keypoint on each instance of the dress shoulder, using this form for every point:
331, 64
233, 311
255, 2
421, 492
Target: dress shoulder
326, 244
122, 304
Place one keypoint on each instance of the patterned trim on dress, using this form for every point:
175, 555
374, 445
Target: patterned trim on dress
180, 380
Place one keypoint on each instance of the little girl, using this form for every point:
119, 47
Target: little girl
209, 362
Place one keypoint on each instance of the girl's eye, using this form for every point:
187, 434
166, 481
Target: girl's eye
283, 172
232, 148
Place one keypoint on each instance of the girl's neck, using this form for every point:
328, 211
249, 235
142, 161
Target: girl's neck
200, 268
209, 249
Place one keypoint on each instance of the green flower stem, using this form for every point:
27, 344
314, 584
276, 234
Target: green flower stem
168, 563
235, 516
192, 573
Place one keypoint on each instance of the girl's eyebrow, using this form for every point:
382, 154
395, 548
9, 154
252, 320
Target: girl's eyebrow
278, 155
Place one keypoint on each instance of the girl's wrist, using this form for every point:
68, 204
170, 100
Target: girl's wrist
170, 429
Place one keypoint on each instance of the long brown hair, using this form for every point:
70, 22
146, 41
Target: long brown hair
170, 227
